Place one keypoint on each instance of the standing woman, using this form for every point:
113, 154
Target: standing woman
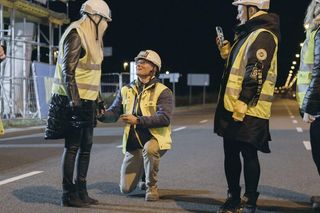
245, 98
75, 98
308, 83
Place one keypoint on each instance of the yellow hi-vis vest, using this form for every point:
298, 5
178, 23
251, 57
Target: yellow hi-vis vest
87, 73
234, 84
148, 105
1, 128
306, 66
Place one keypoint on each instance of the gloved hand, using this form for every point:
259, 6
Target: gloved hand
224, 48
239, 110
308, 118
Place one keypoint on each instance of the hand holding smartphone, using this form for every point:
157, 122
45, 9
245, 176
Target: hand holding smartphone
220, 36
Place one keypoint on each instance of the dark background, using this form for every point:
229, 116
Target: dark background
183, 33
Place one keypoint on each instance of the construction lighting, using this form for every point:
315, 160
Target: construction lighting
125, 65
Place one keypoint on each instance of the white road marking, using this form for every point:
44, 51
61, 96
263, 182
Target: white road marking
295, 121
44, 146
307, 145
292, 116
203, 121
178, 129
299, 129
119, 147
39, 135
19, 177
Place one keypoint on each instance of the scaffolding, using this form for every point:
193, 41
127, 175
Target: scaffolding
14, 13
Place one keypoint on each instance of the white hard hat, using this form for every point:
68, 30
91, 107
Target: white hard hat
151, 56
261, 4
97, 7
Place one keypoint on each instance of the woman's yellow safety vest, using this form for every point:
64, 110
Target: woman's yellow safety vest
87, 73
148, 105
234, 84
306, 65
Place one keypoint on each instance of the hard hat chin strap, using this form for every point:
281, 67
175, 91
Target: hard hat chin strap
96, 24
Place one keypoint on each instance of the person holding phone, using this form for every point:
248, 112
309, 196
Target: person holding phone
308, 83
145, 106
244, 104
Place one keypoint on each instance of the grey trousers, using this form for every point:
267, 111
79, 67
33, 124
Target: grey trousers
135, 161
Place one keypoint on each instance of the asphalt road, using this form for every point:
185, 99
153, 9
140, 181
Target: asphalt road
191, 177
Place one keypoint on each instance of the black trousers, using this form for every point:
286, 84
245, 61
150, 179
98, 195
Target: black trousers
233, 165
78, 143
315, 142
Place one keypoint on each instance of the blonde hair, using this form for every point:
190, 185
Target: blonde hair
312, 12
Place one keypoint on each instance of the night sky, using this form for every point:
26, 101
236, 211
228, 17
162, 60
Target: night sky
183, 33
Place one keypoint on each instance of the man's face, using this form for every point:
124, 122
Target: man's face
144, 67
242, 14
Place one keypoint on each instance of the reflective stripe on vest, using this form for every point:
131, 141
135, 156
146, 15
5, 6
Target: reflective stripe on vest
236, 76
148, 106
87, 73
306, 65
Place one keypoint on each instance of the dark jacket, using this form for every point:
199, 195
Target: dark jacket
252, 130
70, 111
161, 117
311, 101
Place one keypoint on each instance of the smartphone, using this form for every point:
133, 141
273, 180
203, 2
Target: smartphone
220, 35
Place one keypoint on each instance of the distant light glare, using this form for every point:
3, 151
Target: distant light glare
292, 67
294, 62
297, 55
167, 72
301, 44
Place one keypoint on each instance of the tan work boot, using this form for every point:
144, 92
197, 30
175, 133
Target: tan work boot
152, 194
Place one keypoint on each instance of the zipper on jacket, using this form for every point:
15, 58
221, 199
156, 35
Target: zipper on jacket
135, 112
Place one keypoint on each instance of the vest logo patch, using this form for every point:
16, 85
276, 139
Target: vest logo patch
261, 54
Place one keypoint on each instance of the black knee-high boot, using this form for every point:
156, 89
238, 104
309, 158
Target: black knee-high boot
249, 202
83, 193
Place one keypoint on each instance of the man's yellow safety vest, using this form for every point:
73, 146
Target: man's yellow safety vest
87, 73
306, 65
234, 84
148, 105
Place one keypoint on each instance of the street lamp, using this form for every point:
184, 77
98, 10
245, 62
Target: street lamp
292, 67
125, 65
297, 55
294, 62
